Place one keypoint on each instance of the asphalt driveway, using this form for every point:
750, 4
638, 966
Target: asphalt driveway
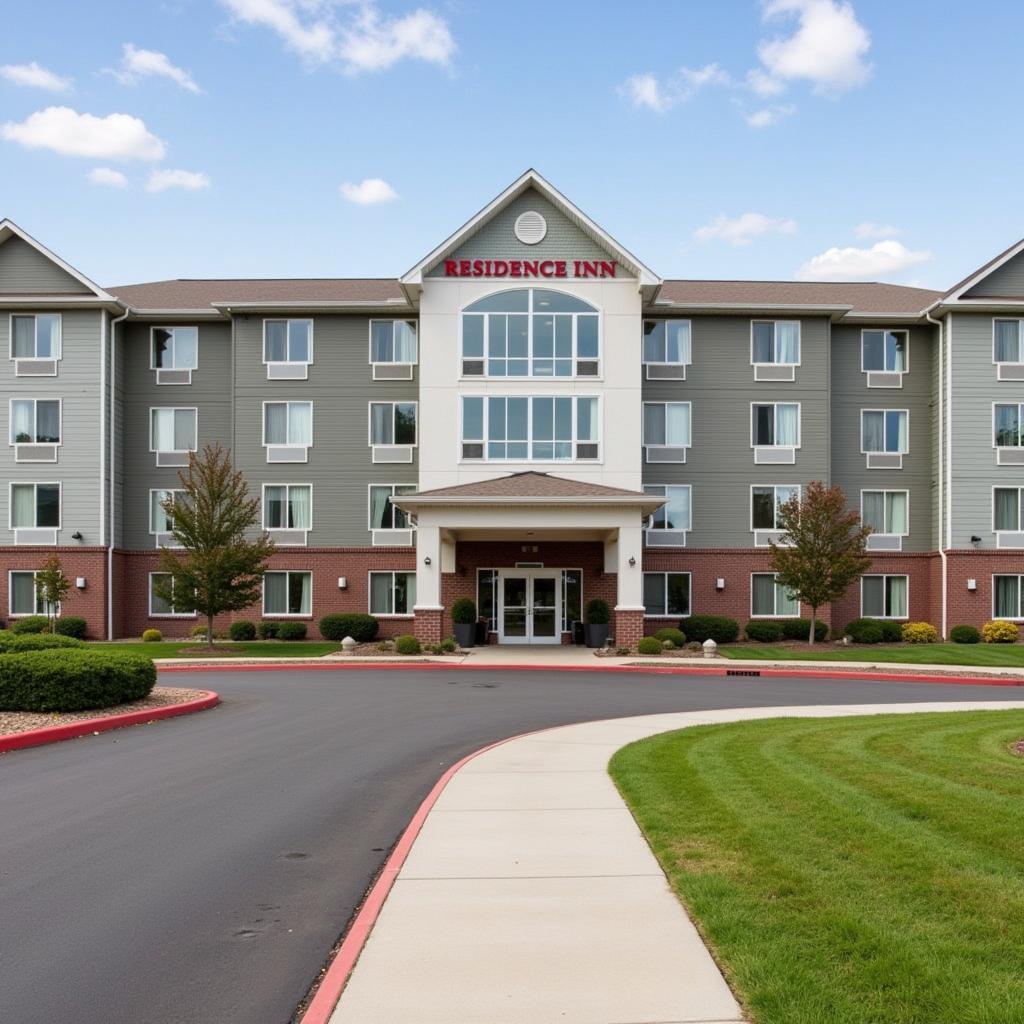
200, 869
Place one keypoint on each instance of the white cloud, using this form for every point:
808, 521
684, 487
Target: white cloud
65, 131
368, 192
767, 116
107, 177
871, 230
163, 179
828, 47
35, 77
361, 40
763, 84
644, 90
136, 64
742, 230
853, 264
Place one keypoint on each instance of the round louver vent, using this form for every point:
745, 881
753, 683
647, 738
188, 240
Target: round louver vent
530, 227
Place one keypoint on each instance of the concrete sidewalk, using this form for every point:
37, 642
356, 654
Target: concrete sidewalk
530, 895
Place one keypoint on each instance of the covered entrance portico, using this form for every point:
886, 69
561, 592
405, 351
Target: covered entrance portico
528, 535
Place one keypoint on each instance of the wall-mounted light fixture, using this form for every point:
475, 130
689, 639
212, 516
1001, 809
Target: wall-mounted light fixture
720, 583
77, 535
426, 560
80, 582
342, 582
975, 539
632, 562
972, 584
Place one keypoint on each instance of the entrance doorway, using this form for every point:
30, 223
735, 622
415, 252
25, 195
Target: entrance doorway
529, 606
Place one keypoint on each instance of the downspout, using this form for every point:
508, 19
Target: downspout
942, 493
113, 448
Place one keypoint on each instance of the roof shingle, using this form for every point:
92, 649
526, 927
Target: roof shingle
198, 293
529, 484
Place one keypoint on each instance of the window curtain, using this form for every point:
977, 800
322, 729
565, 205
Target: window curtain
300, 423
405, 342
1007, 343
787, 425
896, 351
24, 337
785, 602
47, 336
873, 427
896, 512
586, 419
22, 428
275, 593
381, 423
896, 432
157, 515
298, 340
47, 421
186, 348
274, 497
763, 594
163, 430
380, 508
23, 593
677, 508
654, 593
380, 593
654, 424
787, 343
184, 430
275, 343
1007, 426
897, 596
677, 424
654, 342
381, 341
300, 508
872, 596
1007, 508
764, 342
1007, 597
300, 593
677, 342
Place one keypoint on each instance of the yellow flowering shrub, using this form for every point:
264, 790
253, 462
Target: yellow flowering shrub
920, 633
998, 631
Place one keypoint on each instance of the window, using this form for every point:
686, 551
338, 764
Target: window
883, 597
885, 431
675, 514
1006, 341
23, 598
35, 421
158, 521
1007, 422
172, 430
288, 423
666, 348
288, 341
392, 341
287, 506
487, 597
174, 348
35, 336
1007, 510
1007, 594
392, 593
765, 502
666, 431
288, 593
35, 506
885, 511
572, 598
768, 598
383, 514
883, 351
775, 342
775, 425
538, 429
159, 605
392, 423
666, 593
531, 332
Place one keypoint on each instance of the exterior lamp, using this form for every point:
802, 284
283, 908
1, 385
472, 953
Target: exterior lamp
720, 583
80, 583
77, 535
972, 584
426, 560
632, 562
342, 582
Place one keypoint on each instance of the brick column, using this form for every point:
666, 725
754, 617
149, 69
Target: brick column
427, 625
629, 627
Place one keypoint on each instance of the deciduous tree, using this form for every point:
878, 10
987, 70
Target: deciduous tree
52, 587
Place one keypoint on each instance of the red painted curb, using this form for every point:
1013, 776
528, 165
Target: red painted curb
681, 670
324, 1001
55, 733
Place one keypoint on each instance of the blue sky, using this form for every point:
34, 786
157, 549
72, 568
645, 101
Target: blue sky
810, 138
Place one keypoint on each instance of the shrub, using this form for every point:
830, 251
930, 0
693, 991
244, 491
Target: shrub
152, 636
719, 628
964, 635
242, 630
358, 625
407, 644
291, 631
13, 643
31, 624
865, 631
598, 612
677, 636
464, 611
800, 629
199, 629
765, 631
267, 630
71, 625
998, 631
649, 645
694, 645
448, 645
667, 645
920, 633
73, 680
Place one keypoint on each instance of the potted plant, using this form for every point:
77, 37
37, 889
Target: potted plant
598, 617
464, 621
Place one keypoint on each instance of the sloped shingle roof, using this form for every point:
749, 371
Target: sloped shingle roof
198, 293
528, 485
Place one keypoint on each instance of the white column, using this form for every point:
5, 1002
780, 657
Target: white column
428, 577
630, 577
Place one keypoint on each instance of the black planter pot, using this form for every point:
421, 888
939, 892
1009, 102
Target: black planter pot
465, 633
596, 633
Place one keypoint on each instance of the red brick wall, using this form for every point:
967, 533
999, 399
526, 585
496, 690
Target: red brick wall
972, 608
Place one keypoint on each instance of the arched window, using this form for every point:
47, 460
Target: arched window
531, 332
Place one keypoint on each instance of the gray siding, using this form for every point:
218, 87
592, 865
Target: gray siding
721, 387
78, 465
1005, 282
24, 271
850, 394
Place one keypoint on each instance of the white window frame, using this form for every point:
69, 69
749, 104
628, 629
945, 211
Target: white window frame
295, 447
885, 576
393, 362
775, 600
286, 615
369, 506
174, 349
1019, 617
175, 409
172, 614
58, 355
35, 400
35, 484
1019, 362
40, 608
1020, 419
392, 402
775, 342
682, 363
681, 448
369, 593
529, 314
288, 341
649, 526
288, 487
774, 528
775, 425
152, 507
1009, 538
883, 451
664, 574
885, 373
885, 492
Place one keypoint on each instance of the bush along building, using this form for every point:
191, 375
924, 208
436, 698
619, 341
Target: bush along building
531, 418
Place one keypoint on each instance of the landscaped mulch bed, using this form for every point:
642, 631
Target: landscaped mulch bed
26, 721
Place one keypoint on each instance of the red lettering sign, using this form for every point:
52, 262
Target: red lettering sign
530, 268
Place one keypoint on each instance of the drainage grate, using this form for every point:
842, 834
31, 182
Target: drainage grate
742, 672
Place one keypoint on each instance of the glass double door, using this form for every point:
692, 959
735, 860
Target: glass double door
529, 607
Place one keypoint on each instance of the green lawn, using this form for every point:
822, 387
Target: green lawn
253, 649
848, 870
912, 654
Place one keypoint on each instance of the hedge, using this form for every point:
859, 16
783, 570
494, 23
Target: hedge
71, 625
965, 635
291, 631
920, 633
73, 680
242, 630
31, 624
998, 631
649, 645
800, 629
764, 631
358, 625
14, 643
677, 636
874, 631
719, 628
267, 629
407, 644
152, 636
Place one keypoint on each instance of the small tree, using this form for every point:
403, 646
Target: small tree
219, 569
823, 550
52, 587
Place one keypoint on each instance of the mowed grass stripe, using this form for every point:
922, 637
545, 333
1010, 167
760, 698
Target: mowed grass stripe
848, 870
